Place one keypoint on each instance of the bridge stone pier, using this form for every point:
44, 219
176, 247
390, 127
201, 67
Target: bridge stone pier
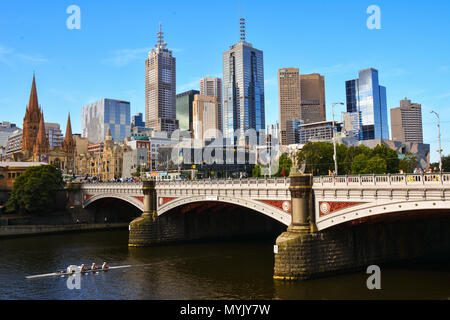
364, 220
326, 225
166, 205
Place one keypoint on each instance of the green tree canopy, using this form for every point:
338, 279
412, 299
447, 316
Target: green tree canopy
284, 166
35, 190
365, 164
408, 163
256, 172
390, 156
318, 157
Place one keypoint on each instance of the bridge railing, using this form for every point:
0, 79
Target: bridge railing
384, 180
251, 182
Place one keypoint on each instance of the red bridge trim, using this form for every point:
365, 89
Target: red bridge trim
283, 205
327, 207
163, 200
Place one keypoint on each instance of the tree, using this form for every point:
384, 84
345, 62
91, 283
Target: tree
35, 190
363, 164
408, 163
390, 156
256, 172
284, 166
318, 157
445, 164
376, 165
138, 172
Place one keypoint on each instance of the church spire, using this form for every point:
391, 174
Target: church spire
33, 103
69, 128
31, 120
68, 144
41, 147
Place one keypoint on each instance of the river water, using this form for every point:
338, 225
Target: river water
206, 270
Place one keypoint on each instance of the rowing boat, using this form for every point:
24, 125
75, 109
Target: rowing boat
64, 273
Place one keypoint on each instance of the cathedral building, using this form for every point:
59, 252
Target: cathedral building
105, 165
35, 144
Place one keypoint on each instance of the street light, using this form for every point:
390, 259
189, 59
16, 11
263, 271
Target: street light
440, 149
334, 138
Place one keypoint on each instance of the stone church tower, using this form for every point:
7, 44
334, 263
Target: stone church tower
35, 144
68, 145
41, 146
31, 122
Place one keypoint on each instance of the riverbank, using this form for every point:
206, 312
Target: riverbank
35, 230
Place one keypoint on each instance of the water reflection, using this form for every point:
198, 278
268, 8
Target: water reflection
208, 270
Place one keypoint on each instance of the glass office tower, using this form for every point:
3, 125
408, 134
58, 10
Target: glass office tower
243, 88
366, 97
105, 114
184, 103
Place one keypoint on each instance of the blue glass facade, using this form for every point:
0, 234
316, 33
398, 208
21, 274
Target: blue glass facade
105, 114
366, 97
243, 84
137, 120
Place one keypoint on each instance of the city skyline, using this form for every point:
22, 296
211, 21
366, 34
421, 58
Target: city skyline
63, 84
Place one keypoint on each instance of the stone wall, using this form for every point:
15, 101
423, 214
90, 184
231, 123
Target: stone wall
309, 255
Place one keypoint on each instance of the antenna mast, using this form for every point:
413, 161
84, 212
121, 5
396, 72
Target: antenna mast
242, 27
161, 43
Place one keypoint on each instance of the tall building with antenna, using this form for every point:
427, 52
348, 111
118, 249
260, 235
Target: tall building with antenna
160, 88
243, 87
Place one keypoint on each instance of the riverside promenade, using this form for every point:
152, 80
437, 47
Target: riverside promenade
34, 230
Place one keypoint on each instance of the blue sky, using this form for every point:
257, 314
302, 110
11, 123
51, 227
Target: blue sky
105, 58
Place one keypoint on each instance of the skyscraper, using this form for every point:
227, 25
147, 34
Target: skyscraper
366, 97
205, 117
54, 134
98, 117
184, 109
289, 98
213, 87
243, 88
160, 88
406, 122
137, 121
312, 90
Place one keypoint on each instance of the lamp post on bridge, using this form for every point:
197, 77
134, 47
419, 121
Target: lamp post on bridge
334, 138
439, 132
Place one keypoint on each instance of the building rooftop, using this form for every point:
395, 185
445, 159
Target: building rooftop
21, 164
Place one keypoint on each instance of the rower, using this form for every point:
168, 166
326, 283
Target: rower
83, 268
105, 266
94, 267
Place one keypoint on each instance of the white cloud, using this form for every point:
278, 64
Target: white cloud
270, 82
34, 59
125, 56
4, 54
444, 95
193, 85
335, 69
8, 54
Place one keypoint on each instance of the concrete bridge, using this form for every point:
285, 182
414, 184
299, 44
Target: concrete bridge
333, 224
337, 200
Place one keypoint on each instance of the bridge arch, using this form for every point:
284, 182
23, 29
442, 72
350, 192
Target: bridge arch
131, 200
382, 210
263, 208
